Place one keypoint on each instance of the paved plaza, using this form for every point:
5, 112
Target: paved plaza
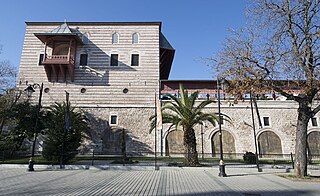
147, 181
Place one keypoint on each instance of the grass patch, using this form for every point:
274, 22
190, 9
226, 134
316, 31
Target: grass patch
127, 160
25, 160
89, 158
303, 179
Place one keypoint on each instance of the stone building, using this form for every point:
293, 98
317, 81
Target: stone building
113, 72
275, 137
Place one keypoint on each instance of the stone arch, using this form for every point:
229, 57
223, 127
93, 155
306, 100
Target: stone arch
269, 144
313, 143
228, 144
112, 140
174, 143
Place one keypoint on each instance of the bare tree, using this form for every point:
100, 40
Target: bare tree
7, 74
279, 43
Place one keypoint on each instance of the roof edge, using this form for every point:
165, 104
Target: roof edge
186, 80
94, 23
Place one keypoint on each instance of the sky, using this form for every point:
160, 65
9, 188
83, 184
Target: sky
196, 29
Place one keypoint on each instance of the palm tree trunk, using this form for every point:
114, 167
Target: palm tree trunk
190, 145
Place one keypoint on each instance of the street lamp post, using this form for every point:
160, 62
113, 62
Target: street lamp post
66, 130
202, 140
222, 171
29, 90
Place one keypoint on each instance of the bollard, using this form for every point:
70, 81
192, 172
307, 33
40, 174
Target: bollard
31, 163
92, 157
292, 160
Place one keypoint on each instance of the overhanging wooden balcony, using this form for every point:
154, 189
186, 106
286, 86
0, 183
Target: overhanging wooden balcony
59, 65
58, 60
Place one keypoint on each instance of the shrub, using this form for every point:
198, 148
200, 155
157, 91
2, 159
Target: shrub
249, 157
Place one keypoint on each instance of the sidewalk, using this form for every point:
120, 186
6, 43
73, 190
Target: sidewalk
146, 181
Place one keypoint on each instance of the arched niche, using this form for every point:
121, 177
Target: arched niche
314, 143
174, 143
61, 49
269, 144
228, 144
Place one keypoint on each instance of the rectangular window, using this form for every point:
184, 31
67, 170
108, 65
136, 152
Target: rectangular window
41, 59
83, 59
135, 60
114, 59
113, 119
314, 122
266, 121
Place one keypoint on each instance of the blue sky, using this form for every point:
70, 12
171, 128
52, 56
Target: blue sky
196, 29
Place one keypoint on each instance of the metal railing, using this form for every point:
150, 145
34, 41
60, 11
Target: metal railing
147, 158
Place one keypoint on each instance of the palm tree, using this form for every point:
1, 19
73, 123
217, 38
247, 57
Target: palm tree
58, 135
182, 112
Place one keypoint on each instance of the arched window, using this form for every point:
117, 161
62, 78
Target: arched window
135, 38
85, 38
115, 38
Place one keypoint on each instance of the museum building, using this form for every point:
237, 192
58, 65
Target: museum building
114, 70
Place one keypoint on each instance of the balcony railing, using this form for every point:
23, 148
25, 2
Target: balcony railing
59, 59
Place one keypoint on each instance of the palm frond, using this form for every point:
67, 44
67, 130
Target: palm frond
181, 112
202, 105
192, 99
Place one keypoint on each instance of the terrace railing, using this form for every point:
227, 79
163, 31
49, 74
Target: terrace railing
59, 59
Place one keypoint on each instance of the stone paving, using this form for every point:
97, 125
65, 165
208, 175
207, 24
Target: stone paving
147, 181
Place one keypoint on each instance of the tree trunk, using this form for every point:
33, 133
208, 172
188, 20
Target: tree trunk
304, 115
190, 145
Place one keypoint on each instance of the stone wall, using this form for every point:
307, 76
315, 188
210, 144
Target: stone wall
282, 116
135, 122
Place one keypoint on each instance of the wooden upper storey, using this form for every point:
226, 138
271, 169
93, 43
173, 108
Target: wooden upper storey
208, 89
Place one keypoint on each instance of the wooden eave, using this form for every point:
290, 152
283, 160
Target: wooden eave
58, 37
166, 59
